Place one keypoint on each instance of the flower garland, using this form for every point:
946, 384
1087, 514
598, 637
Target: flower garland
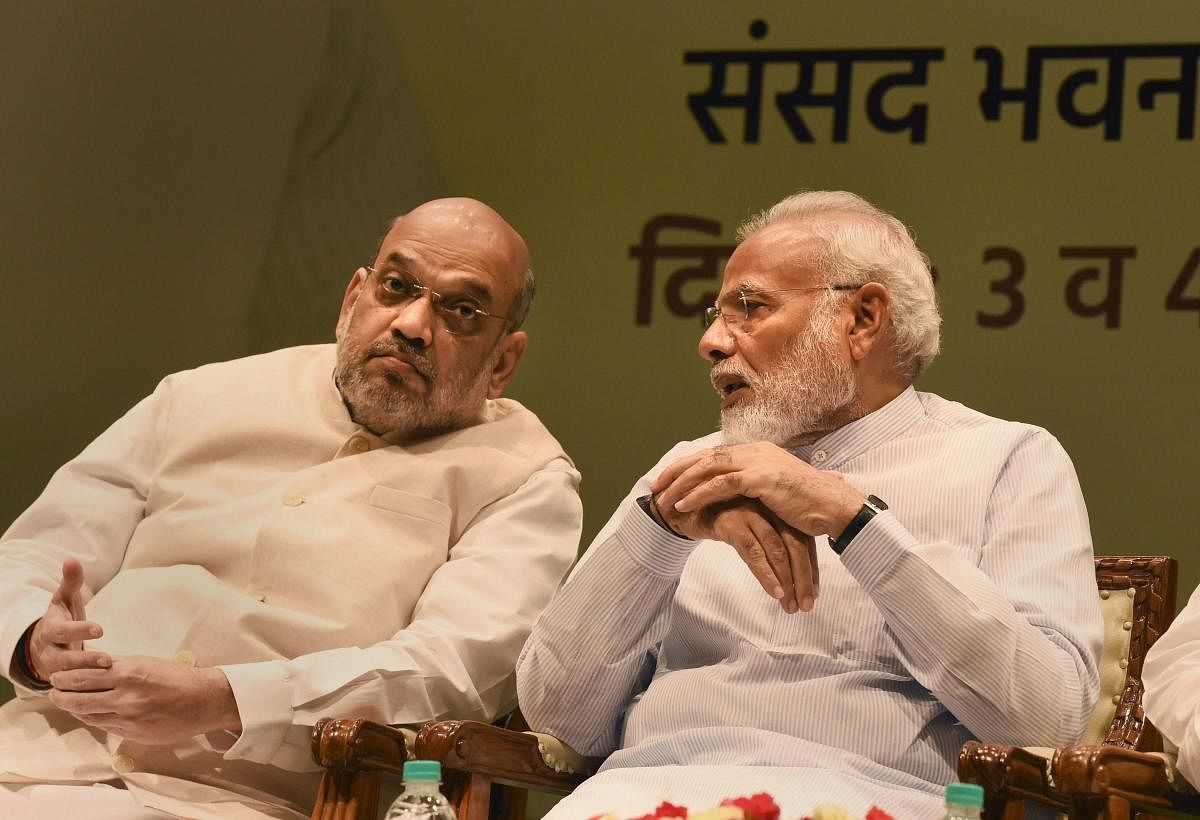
759, 806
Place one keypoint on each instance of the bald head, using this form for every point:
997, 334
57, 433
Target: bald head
474, 230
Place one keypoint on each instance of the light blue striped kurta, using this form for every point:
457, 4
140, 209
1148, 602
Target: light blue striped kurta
967, 610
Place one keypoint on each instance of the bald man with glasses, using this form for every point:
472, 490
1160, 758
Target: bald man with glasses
314, 531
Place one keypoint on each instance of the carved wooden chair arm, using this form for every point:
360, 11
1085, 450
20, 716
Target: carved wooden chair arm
353, 752
1098, 773
521, 759
358, 744
1008, 775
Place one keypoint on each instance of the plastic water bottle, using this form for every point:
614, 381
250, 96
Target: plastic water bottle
421, 797
964, 801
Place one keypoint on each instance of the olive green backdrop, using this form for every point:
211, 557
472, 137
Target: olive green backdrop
190, 181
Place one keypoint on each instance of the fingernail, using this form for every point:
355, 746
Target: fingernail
94, 632
790, 607
104, 663
777, 592
807, 603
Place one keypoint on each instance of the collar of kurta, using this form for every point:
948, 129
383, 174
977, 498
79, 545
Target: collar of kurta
832, 451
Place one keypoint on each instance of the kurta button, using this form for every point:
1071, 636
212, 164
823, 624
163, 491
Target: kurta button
1124, 663
294, 500
820, 455
1127, 626
123, 764
1131, 592
185, 657
358, 444
1104, 593
1116, 699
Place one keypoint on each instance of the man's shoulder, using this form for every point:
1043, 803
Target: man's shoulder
509, 427
954, 416
283, 358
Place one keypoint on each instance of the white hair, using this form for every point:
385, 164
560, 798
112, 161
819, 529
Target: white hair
875, 248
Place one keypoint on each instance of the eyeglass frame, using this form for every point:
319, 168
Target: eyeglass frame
435, 301
713, 311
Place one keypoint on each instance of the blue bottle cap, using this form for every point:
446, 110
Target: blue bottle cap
427, 770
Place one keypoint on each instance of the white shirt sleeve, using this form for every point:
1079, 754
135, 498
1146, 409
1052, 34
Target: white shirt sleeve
593, 649
1171, 674
88, 511
1010, 646
457, 655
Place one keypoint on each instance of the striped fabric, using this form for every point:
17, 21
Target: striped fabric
967, 610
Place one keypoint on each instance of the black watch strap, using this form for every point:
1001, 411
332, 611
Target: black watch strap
870, 508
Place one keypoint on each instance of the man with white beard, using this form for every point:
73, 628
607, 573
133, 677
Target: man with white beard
316, 531
845, 647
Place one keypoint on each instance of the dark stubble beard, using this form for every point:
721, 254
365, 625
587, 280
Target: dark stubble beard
808, 386
388, 410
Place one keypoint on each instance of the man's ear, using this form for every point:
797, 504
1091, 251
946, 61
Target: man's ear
512, 348
872, 311
353, 289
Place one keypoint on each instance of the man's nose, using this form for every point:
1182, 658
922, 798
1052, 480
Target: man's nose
718, 342
414, 320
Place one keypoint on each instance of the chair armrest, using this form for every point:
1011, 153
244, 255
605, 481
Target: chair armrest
358, 744
1147, 780
501, 755
1008, 773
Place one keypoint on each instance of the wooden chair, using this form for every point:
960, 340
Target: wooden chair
482, 764
1119, 769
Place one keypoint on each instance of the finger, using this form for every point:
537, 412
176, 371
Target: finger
58, 660
777, 558
751, 552
64, 632
712, 490
713, 460
707, 469
84, 703
82, 680
83, 659
71, 583
668, 475
802, 556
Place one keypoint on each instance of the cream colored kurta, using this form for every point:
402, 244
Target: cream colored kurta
238, 518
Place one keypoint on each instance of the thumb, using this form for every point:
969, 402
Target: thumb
68, 589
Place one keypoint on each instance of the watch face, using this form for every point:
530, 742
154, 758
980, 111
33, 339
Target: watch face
877, 502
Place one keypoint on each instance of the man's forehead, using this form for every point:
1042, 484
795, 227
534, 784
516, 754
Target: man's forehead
444, 243
437, 275
770, 259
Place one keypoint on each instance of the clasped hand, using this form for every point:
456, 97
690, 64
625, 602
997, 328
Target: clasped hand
151, 701
764, 502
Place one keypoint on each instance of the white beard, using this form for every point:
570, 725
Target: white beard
807, 385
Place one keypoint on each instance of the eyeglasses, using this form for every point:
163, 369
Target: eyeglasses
737, 308
458, 313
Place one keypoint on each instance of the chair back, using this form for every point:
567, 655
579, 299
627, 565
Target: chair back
1137, 602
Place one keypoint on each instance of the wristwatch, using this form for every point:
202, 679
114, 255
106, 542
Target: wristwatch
872, 506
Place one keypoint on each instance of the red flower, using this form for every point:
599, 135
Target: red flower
665, 809
760, 806
877, 813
